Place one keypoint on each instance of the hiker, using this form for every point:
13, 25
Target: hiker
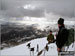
50, 37
62, 35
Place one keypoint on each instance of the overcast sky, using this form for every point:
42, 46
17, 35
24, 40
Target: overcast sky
37, 8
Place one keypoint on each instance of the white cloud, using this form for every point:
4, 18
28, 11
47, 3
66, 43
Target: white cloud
30, 7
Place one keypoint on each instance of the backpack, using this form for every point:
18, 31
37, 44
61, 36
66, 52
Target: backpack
70, 37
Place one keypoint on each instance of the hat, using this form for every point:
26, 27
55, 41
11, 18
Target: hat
50, 31
60, 21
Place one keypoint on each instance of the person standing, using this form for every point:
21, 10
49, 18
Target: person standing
62, 35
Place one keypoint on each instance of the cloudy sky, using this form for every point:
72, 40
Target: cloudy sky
47, 9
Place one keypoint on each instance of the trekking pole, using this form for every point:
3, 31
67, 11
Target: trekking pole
37, 48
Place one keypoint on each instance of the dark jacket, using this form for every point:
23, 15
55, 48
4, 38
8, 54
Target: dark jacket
62, 37
50, 37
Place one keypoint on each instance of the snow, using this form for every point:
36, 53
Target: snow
23, 49
71, 47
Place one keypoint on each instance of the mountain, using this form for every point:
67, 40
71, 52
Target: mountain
12, 34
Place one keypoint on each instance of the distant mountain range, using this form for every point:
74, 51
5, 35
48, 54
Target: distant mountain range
20, 33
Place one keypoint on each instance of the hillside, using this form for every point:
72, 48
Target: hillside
23, 49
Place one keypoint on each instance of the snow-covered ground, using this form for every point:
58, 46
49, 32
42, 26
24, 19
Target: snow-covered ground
71, 47
23, 49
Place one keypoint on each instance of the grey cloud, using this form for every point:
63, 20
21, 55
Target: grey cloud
21, 12
10, 4
64, 8
14, 8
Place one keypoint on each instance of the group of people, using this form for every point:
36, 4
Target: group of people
61, 37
